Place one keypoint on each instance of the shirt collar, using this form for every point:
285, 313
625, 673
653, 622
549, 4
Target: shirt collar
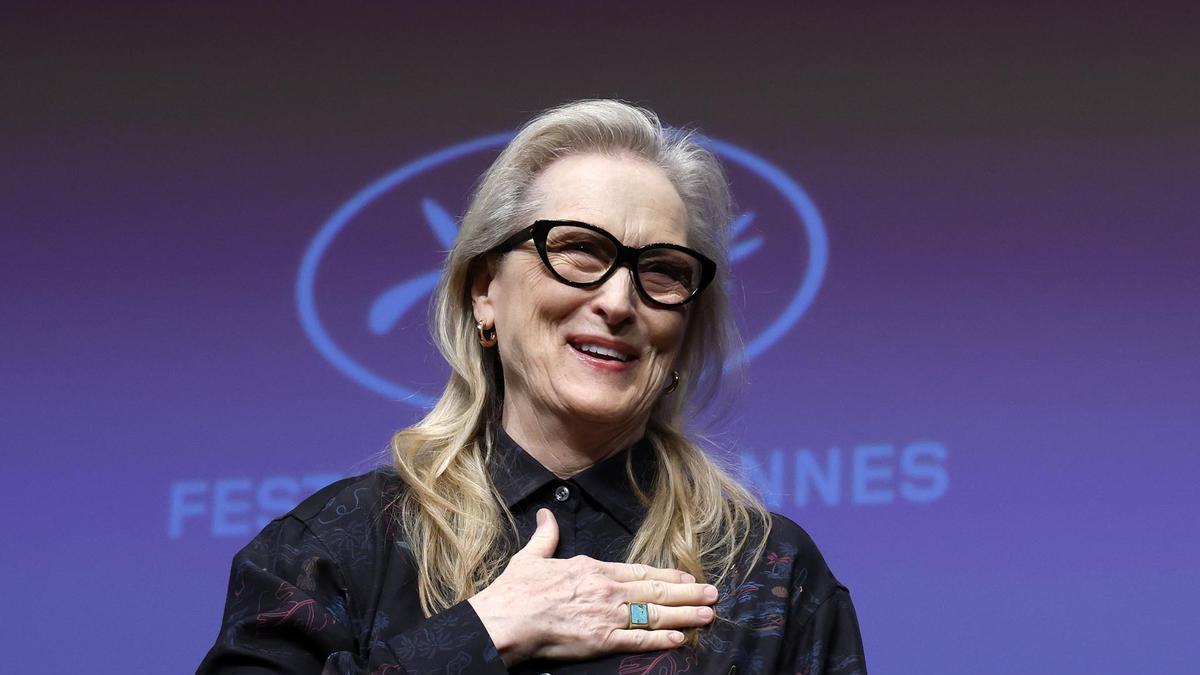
517, 475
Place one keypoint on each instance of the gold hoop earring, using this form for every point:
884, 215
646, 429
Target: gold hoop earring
487, 336
674, 382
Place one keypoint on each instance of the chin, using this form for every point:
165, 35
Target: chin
602, 405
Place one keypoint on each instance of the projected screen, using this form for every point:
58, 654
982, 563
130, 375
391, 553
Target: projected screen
967, 287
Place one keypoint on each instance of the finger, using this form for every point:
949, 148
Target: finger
664, 617
642, 640
675, 595
639, 572
545, 537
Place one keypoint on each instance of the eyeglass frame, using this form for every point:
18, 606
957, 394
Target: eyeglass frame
627, 256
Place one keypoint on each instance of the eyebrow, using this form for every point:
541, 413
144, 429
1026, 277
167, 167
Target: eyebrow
608, 229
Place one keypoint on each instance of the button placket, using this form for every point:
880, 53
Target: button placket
564, 500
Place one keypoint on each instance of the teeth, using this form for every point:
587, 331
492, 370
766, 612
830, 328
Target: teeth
603, 351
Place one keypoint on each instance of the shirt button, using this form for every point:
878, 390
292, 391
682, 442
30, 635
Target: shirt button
562, 493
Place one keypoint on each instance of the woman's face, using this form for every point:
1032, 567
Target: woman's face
544, 326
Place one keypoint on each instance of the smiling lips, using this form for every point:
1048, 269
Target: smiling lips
604, 350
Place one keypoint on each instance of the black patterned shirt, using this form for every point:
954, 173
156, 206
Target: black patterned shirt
331, 587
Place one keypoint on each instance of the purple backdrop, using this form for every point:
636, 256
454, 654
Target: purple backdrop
966, 271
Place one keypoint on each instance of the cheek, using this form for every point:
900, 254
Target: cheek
534, 310
667, 333
527, 296
548, 304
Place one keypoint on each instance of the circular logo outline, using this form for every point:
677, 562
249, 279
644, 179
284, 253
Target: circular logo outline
814, 228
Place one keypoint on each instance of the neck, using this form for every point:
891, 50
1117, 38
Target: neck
567, 446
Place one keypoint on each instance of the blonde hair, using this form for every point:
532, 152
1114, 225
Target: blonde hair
699, 518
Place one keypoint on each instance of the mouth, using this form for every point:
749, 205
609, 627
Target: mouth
603, 350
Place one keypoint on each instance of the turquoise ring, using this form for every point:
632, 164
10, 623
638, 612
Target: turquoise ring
639, 615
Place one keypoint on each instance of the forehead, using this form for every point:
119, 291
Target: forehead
625, 195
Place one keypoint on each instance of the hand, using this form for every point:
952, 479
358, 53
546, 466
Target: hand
577, 609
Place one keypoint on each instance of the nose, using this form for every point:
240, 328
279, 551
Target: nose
615, 298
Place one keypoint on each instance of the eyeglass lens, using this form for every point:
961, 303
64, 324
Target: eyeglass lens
580, 255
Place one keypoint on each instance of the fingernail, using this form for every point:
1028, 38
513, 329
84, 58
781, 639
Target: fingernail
710, 592
705, 613
542, 514
676, 637
688, 579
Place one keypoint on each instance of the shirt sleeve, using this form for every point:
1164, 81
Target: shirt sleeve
287, 611
830, 641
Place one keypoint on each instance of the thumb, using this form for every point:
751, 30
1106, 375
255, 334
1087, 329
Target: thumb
545, 537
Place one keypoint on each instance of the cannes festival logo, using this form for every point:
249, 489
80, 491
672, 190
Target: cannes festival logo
365, 279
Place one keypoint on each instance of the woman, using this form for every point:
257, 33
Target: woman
549, 514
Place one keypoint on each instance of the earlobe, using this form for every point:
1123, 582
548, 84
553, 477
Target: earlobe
483, 271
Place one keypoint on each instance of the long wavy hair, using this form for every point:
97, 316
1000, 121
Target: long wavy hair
699, 518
